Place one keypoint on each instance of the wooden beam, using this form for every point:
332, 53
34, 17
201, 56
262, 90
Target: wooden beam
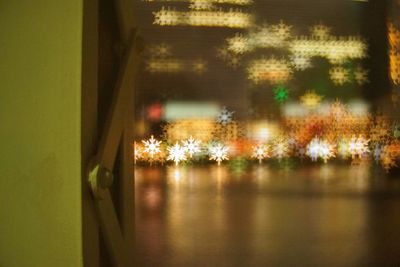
111, 232
126, 190
124, 9
90, 226
115, 121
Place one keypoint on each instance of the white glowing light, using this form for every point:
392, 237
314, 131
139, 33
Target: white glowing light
260, 152
152, 146
280, 149
358, 147
358, 108
300, 62
318, 148
294, 109
230, 19
176, 153
191, 146
138, 152
219, 153
225, 116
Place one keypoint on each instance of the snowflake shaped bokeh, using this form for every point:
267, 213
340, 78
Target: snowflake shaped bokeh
318, 148
282, 30
280, 149
191, 146
358, 147
320, 31
152, 146
260, 152
339, 75
219, 153
310, 99
361, 75
300, 62
176, 153
281, 94
225, 116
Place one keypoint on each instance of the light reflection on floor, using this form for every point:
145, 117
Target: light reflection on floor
325, 215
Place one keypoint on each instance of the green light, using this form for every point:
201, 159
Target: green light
281, 94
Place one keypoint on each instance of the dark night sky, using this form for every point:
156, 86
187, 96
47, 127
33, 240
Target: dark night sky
223, 84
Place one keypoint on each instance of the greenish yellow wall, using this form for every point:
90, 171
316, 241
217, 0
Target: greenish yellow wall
40, 82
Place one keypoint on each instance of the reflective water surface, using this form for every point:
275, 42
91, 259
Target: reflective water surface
327, 215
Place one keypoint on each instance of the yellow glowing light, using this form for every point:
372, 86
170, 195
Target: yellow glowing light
339, 75
200, 129
157, 65
201, 5
233, 60
176, 153
320, 31
390, 155
160, 50
335, 49
310, 99
265, 36
272, 70
152, 146
232, 2
394, 53
191, 146
219, 153
238, 44
230, 19
394, 61
262, 131
361, 75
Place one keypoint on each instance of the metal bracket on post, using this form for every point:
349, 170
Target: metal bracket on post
100, 179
